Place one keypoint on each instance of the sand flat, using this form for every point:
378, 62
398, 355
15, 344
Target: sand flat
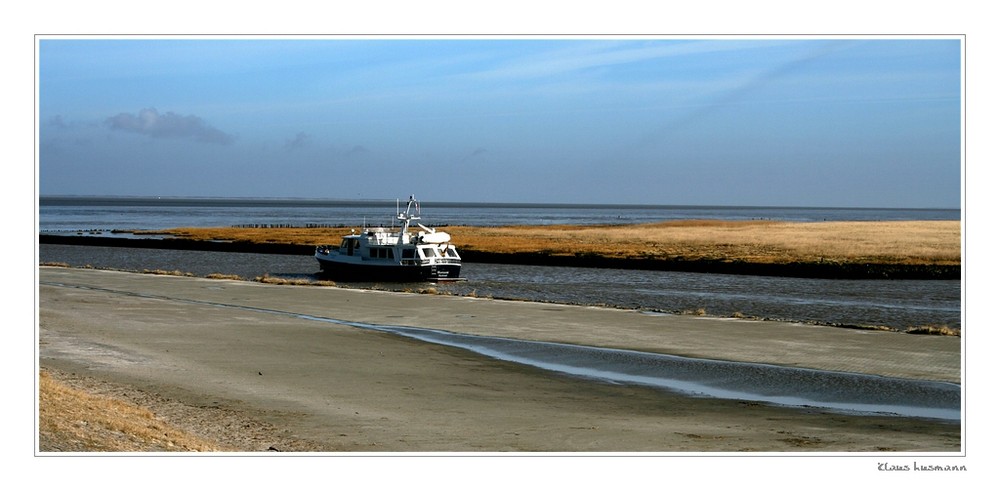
237, 343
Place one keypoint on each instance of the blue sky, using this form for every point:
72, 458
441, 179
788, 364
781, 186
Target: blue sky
769, 121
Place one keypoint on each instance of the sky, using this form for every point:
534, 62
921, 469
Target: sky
730, 121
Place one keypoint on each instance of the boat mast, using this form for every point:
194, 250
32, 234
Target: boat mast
405, 217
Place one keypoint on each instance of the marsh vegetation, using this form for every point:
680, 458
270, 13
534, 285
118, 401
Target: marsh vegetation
935, 243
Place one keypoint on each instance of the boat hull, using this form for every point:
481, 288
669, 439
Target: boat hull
352, 271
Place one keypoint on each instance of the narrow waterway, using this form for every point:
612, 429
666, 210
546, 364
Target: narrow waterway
898, 304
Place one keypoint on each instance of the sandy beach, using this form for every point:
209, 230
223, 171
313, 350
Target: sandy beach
332, 388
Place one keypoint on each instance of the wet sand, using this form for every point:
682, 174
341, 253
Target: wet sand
240, 345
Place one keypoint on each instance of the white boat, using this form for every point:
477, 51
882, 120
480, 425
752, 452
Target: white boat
378, 254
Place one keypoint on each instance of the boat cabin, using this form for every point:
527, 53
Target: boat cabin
379, 252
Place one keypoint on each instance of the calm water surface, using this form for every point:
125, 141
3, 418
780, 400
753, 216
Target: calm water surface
892, 303
72, 214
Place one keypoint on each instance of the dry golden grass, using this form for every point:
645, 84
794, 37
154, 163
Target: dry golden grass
914, 242
74, 420
54, 264
283, 235
164, 272
767, 242
938, 330
223, 276
274, 280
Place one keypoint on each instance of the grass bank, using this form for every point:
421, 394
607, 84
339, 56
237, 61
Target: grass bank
822, 249
896, 249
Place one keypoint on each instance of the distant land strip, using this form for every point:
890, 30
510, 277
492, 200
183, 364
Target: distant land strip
798, 269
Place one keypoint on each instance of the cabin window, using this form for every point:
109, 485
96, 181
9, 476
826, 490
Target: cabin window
408, 253
429, 252
349, 245
380, 253
452, 252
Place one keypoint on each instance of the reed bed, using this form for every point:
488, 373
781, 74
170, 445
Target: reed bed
275, 280
764, 242
914, 242
163, 272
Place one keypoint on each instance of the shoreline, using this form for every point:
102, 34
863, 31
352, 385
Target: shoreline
808, 269
188, 346
701, 337
923, 329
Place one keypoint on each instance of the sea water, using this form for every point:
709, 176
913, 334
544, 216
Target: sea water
62, 214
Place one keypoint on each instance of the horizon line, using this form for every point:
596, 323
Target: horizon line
287, 201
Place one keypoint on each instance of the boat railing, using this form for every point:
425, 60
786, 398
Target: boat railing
426, 262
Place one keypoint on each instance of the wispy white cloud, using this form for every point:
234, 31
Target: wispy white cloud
151, 123
576, 56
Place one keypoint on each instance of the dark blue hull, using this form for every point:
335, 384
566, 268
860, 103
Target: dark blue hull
388, 272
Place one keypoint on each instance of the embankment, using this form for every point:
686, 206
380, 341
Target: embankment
800, 269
